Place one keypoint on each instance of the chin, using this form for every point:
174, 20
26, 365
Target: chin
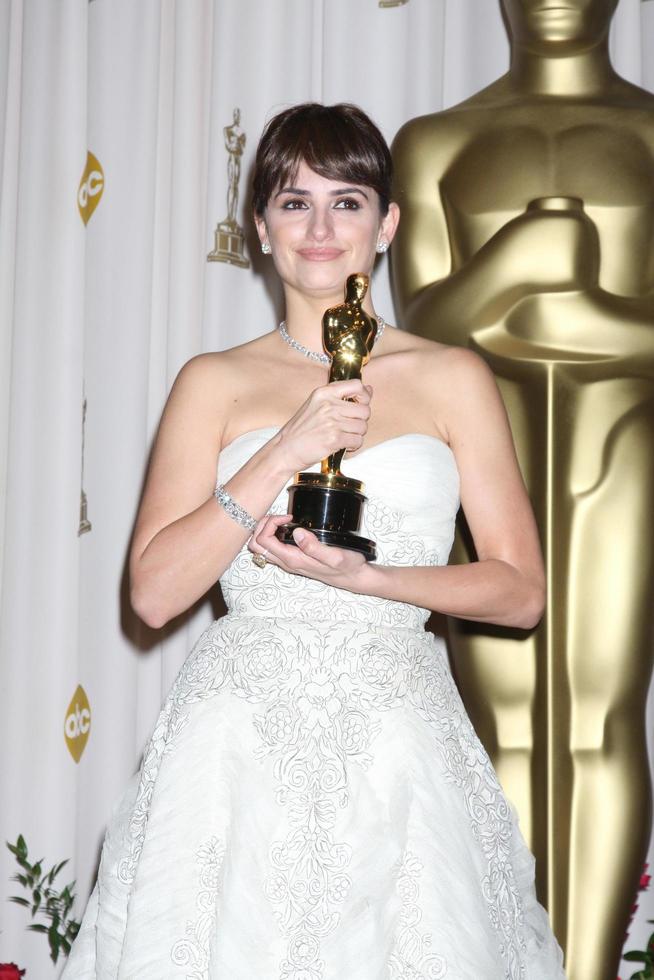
327, 282
562, 27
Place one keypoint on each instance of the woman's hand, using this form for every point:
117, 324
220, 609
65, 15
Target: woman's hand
334, 566
334, 416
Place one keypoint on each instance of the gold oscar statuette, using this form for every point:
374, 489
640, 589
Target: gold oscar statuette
329, 503
526, 235
229, 239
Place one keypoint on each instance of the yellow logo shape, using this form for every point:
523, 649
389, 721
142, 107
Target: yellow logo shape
91, 187
78, 723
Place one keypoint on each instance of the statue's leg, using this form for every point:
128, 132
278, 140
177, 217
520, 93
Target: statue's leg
604, 604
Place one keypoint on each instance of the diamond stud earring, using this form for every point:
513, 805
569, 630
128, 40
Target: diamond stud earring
382, 246
265, 248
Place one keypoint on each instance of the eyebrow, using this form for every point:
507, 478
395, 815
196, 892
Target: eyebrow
336, 193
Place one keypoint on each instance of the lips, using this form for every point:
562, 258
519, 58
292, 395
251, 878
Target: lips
320, 254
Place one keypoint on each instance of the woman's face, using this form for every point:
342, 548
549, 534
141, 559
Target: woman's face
559, 21
322, 230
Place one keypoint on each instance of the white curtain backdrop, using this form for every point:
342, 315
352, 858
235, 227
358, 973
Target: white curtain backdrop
107, 312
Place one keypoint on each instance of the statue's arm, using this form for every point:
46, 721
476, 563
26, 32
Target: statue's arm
434, 299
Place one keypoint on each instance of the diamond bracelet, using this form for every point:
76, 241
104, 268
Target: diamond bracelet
234, 510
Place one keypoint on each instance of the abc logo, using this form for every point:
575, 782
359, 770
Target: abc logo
77, 723
90, 188
92, 185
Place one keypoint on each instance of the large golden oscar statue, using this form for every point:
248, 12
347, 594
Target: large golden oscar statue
527, 234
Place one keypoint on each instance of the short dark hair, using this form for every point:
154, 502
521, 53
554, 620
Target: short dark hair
339, 142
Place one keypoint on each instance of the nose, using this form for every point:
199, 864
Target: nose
321, 226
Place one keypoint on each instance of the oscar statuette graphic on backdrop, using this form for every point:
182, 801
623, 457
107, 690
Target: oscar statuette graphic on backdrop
229, 239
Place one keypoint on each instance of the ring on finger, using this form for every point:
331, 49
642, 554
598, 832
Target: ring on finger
260, 559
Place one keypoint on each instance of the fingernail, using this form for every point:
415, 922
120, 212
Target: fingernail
299, 535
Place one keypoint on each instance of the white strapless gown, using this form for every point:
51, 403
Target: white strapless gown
314, 803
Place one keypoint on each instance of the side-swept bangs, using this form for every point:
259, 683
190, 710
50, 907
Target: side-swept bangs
338, 142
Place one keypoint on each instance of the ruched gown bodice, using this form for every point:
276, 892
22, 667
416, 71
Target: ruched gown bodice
314, 803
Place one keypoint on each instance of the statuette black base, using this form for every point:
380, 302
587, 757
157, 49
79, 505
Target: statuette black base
331, 512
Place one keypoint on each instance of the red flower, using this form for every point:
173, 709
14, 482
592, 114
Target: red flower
644, 879
9, 971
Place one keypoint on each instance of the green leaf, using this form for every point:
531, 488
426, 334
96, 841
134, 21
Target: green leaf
46, 900
635, 955
19, 848
20, 901
53, 939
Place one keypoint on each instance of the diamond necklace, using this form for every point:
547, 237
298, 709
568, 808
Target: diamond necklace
314, 355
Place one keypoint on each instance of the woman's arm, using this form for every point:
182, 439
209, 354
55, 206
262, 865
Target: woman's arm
183, 539
507, 584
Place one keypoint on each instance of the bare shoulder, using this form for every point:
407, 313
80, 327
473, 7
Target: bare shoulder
468, 402
463, 366
466, 385
445, 373
457, 385
215, 373
432, 356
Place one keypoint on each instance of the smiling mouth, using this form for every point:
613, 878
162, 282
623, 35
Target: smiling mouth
320, 254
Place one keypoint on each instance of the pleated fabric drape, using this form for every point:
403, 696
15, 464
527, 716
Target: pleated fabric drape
113, 178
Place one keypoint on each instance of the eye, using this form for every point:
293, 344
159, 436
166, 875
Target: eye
294, 204
348, 203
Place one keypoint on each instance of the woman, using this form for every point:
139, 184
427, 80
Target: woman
314, 803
